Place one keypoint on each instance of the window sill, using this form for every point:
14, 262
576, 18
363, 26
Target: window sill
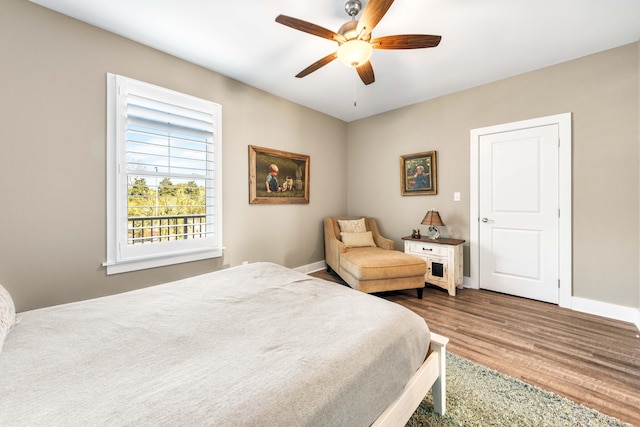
114, 267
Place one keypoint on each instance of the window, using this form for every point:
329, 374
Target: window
163, 177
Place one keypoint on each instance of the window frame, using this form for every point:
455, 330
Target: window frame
121, 257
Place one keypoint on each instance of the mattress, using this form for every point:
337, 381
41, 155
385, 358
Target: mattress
252, 345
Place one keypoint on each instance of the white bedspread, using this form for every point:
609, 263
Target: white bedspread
253, 345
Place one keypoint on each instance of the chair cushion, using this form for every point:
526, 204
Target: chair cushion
352, 225
357, 240
377, 263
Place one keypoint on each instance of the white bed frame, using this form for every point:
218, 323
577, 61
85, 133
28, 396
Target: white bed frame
431, 375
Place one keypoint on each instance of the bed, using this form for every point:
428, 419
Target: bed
257, 344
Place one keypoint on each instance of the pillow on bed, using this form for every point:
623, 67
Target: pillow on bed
358, 240
352, 225
7, 314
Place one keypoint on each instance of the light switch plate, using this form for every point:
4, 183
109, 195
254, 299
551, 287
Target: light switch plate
456, 196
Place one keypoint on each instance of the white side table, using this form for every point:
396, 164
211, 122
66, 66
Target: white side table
443, 258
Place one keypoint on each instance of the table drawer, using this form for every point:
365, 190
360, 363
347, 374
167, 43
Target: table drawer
418, 248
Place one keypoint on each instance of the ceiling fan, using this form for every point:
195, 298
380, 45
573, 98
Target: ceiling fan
355, 45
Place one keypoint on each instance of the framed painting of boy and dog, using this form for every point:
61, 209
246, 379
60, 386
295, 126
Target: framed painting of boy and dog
277, 177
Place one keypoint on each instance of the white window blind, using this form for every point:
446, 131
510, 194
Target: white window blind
165, 204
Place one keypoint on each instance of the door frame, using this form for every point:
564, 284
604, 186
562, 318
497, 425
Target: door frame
564, 193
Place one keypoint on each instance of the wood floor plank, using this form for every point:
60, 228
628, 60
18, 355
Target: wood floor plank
592, 360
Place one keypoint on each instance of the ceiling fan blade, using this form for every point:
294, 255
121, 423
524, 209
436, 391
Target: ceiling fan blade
365, 71
371, 15
316, 65
406, 41
308, 27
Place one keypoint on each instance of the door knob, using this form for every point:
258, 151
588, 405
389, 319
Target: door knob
485, 219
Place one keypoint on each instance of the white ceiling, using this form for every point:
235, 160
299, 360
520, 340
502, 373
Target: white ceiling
482, 41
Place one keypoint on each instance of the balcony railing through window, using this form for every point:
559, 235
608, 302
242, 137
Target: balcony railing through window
154, 229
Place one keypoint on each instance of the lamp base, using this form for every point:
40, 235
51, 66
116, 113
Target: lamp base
434, 233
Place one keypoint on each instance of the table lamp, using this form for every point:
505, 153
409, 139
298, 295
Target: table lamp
433, 220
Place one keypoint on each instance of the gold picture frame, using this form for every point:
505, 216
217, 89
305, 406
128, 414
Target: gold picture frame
278, 177
418, 174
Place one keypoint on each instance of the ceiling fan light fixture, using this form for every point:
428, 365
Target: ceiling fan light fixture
355, 45
354, 53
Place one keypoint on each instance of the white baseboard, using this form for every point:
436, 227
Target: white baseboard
466, 283
597, 308
605, 309
310, 268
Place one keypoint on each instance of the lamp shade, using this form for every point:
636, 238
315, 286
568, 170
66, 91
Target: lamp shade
432, 218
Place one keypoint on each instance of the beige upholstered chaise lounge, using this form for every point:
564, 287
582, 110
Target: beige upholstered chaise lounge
367, 261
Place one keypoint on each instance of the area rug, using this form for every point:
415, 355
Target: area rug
479, 396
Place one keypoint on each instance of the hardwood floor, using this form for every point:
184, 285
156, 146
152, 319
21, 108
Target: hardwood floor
589, 359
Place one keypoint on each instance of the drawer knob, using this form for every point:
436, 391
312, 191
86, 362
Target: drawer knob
427, 249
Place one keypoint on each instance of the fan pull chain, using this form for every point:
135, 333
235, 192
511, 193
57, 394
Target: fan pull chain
355, 85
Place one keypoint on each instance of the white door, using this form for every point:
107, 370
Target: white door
518, 209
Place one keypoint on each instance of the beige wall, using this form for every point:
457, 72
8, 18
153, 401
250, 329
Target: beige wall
602, 93
52, 160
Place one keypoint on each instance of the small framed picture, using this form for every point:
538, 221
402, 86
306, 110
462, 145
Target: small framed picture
277, 177
418, 174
